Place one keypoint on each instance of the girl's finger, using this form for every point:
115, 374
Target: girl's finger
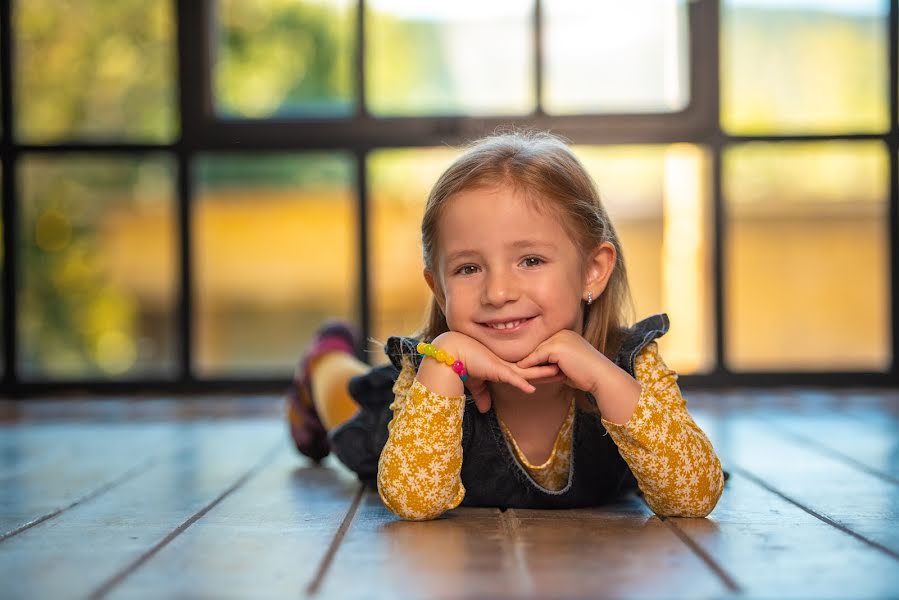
539, 371
510, 377
538, 356
480, 393
482, 399
544, 380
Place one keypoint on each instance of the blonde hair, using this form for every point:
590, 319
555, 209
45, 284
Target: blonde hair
543, 167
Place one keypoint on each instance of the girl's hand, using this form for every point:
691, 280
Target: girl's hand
483, 366
579, 362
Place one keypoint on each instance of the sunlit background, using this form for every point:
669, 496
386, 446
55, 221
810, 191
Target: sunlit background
275, 236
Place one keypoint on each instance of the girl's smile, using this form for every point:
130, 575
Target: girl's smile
508, 327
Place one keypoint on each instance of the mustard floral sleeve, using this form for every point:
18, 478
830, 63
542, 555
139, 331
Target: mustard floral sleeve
673, 460
419, 471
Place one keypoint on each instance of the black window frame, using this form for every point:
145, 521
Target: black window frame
203, 132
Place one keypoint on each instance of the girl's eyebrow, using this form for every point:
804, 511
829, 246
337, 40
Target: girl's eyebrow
516, 245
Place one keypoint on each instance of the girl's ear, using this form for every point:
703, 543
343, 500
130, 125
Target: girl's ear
435, 289
600, 266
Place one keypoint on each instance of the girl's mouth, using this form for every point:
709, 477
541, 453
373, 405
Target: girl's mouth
508, 326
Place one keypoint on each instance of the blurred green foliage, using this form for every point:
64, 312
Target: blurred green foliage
285, 58
229, 171
95, 70
407, 70
74, 320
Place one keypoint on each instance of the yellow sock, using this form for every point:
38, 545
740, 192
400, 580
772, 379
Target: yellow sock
330, 373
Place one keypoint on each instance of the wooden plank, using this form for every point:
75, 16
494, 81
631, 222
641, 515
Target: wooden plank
464, 554
476, 553
133, 409
266, 540
867, 444
854, 502
880, 406
84, 460
877, 406
22, 450
773, 549
83, 548
27, 446
619, 551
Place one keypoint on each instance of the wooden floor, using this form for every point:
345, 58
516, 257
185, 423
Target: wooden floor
164, 499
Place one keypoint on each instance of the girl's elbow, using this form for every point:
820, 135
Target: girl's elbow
407, 513
700, 505
714, 493
406, 505
696, 510
426, 516
699, 510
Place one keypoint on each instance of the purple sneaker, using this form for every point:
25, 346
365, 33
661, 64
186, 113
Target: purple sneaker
308, 433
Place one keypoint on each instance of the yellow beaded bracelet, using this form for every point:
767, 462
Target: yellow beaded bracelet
447, 359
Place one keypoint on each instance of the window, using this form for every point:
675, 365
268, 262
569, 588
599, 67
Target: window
191, 187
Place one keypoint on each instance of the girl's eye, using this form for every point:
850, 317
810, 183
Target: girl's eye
532, 261
464, 270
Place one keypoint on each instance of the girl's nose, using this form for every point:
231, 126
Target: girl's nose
499, 288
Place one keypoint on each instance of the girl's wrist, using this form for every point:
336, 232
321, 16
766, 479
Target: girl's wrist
436, 372
439, 378
448, 342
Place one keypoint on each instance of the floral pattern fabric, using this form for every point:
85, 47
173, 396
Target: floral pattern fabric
672, 459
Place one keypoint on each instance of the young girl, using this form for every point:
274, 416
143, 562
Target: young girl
506, 396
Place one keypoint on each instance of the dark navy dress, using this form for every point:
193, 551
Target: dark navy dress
491, 474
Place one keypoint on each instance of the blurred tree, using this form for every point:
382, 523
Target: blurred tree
285, 58
74, 319
407, 70
95, 70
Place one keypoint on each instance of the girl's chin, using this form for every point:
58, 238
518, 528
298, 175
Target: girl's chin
509, 354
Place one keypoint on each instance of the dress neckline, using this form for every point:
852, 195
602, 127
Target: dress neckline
569, 419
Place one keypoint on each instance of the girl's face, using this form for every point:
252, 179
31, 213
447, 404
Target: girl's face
508, 275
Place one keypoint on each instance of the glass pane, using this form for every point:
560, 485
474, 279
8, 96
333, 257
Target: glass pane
399, 181
658, 199
97, 249
648, 40
275, 254
95, 70
807, 260
804, 66
438, 58
278, 59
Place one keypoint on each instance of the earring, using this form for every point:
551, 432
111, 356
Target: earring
589, 297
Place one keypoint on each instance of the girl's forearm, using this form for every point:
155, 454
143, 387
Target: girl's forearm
420, 465
616, 393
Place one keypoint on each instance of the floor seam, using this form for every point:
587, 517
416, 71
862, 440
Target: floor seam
328, 558
124, 573
511, 527
818, 515
129, 474
828, 451
710, 562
